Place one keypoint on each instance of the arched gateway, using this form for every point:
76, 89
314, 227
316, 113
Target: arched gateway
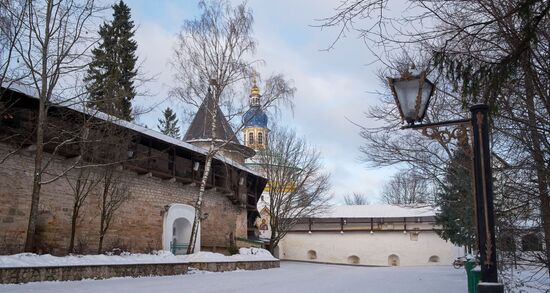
178, 222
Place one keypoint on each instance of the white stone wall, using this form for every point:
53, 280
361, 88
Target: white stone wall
371, 249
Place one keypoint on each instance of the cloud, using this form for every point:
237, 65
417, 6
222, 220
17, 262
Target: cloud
155, 45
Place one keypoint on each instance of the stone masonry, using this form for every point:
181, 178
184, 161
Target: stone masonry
137, 225
75, 273
18, 275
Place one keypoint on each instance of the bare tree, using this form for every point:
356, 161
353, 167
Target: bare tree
85, 184
212, 59
356, 199
114, 194
52, 44
407, 188
494, 51
298, 187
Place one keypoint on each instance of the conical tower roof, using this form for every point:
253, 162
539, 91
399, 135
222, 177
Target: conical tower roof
201, 126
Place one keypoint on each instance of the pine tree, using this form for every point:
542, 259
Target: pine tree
110, 77
169, 124
456, 202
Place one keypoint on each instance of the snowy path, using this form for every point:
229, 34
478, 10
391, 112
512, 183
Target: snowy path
291, 277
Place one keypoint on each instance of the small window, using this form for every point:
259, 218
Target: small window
507, 243
312, 254
251, 138
414, 235
531, 242
393, 260
354, 259
260, 138
433, 258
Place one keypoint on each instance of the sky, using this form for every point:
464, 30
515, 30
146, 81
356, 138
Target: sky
332, 87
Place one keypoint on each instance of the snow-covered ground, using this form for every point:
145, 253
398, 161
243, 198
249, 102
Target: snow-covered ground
526, 279
30, 259
291, 277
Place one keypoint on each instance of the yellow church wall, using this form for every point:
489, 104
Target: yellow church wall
255, 132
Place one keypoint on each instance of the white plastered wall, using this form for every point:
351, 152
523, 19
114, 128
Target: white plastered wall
372, 249
176, 211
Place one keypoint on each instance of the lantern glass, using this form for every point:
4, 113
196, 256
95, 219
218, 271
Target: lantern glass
425, 95
413, 96
407, 91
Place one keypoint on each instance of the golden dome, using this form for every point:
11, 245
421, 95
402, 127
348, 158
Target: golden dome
255, 90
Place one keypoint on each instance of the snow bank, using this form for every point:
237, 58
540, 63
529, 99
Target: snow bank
31, 259
245, 254
35, 260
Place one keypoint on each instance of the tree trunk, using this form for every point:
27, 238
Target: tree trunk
207, 166
39, 155
102, 224
100, 245
273, 242
198, 203
73, 228
35, 197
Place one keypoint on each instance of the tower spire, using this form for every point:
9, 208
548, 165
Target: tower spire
255, 120
254, 91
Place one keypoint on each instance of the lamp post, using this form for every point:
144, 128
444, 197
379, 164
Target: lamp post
412, 92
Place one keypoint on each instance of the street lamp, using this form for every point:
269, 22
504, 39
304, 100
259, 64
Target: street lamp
412, 92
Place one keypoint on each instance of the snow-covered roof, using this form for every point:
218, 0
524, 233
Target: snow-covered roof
377, 211
32, 93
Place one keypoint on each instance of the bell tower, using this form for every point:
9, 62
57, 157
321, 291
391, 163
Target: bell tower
255, 121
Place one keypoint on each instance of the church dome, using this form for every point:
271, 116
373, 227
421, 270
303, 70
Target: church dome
255, 117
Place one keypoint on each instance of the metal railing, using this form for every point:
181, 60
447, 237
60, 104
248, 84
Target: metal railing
257, 242
174, 247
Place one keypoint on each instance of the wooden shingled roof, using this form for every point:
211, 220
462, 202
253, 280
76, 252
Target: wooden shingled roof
201, 126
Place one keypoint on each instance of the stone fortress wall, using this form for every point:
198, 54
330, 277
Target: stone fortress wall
137, 225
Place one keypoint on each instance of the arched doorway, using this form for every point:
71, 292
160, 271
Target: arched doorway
178, 222
181, 233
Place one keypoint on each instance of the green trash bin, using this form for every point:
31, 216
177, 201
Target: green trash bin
473, 274
476, 277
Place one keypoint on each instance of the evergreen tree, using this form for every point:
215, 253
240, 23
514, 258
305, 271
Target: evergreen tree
169, 124
456, 202
110, 77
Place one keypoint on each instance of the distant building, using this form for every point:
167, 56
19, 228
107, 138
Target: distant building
379, 235
255, 136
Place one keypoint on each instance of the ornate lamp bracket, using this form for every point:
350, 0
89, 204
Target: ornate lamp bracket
444, 136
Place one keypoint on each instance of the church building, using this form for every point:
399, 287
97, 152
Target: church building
255, 131
255, 134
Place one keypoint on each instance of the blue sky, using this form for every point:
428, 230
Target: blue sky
331, 86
